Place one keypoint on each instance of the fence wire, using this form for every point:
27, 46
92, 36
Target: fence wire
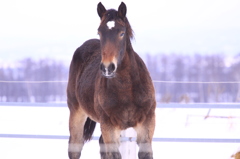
154, 81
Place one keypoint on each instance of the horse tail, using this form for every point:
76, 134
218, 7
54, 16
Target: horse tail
89, 127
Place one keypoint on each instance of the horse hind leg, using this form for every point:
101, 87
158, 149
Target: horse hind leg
145, 132
76, 128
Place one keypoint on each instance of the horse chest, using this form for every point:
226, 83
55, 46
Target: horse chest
122, 100
121, 106
114, 99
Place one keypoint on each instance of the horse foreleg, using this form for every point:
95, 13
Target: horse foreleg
145, 132
109, 142
102, 148
76, 126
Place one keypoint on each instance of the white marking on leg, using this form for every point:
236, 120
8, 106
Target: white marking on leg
111, 24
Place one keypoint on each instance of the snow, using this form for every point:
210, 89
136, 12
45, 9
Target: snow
173, 123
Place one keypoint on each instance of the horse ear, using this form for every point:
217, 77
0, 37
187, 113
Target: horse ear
122, 10
101, 10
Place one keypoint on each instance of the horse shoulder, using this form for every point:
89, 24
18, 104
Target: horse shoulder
144, 92
142, 69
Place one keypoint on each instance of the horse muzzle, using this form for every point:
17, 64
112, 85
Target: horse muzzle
108, 71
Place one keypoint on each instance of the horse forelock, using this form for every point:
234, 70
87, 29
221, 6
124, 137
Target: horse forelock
109, 15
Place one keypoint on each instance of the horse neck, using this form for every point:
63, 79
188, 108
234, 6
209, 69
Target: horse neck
129, 63
129, 47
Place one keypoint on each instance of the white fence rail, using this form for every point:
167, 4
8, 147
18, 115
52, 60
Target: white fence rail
124, 139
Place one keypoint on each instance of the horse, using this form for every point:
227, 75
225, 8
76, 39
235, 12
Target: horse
110, 84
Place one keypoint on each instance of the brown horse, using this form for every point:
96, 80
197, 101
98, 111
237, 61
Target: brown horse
110, 84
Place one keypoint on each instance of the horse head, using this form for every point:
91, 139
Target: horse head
114, 32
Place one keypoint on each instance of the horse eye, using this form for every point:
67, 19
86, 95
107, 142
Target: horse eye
122, 34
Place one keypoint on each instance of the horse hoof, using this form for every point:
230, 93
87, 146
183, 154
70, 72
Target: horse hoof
116, 155
144, 155
74, 155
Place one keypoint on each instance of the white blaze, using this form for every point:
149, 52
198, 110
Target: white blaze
111, 24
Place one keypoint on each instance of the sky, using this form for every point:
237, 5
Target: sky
55, 28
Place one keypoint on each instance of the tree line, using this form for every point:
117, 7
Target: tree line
177, 78
199, 78
28, 81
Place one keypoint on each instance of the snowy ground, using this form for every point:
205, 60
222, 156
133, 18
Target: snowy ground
222, 123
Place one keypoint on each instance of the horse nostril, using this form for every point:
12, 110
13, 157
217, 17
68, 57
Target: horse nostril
102, 67
111, 67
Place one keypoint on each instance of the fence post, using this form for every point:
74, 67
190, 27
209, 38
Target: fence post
128, 149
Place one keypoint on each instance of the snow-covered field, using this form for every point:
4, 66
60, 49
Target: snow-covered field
172, 123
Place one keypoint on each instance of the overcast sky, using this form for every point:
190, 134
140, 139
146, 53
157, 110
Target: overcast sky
55, 28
